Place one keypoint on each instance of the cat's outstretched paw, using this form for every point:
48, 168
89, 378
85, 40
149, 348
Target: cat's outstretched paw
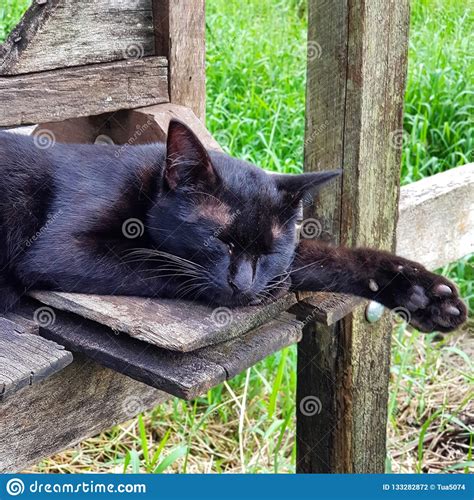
425, 300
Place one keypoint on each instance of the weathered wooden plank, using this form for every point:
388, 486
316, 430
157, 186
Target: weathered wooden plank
58, 33
163, 113
27, 325
180, 27
86, 398
327, 308
238, 354
126, 127
436, 221
355, 86
67, 93
78, 402
170, 324
185, 375
26, 359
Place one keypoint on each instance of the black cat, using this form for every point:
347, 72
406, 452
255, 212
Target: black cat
176, 220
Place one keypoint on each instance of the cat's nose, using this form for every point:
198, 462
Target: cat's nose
242, 279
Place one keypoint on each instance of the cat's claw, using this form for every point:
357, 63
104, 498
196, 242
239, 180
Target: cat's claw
442, 290
452, 310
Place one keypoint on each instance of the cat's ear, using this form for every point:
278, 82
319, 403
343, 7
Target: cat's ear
295, 187
187, 161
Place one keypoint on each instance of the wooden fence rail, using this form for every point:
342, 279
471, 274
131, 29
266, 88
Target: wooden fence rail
436, 218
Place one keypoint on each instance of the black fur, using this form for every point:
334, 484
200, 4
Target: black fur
161, 220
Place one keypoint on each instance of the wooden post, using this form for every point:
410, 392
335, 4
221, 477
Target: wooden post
357, 51
180, 30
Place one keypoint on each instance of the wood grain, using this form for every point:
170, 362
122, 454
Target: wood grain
327, 308
185, 375
180, 374
436, 222
86, 398
27, 325
26, 359
130, 126
71, 93
180, 27
240, 353
170, 324
163, 113
355, 87
57, 33
80, 401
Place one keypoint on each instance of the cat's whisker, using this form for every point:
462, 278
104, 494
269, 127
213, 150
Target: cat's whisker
181, 294
297, 269
202, 290
155, 255
158, 275
169, 266
275, 283
191, 282
176, 258
164, 276
177, 270
184, 291
263, 295
172, 269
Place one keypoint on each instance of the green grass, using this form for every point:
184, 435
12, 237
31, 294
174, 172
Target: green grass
256, 68
439, 102
256, 77
10, 13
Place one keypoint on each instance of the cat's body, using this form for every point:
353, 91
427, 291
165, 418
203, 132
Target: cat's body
52, 203
177, 221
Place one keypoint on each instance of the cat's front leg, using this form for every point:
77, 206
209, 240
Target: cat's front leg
430, 302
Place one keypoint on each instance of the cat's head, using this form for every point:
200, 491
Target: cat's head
229, 225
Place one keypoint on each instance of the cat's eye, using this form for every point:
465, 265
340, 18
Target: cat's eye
231, 247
